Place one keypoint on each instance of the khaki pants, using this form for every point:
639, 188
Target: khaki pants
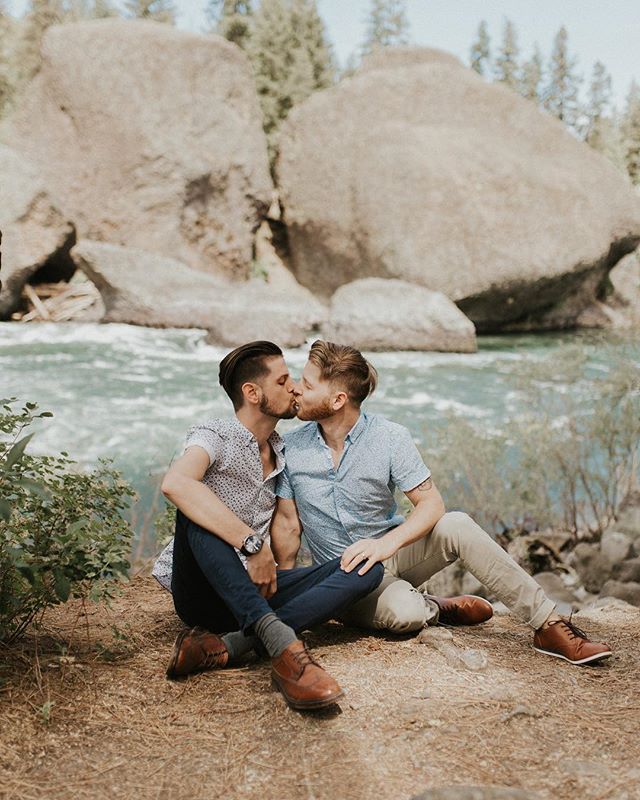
397, 606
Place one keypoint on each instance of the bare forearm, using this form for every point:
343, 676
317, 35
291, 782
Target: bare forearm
285, 542
420, 523
204, 507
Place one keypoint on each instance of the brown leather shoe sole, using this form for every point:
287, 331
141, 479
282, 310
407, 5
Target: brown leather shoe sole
172, 675
588, 660
306, 705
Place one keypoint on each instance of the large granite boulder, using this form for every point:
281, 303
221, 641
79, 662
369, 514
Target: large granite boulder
416, 168
152, 137
36, 235
144, 288
379, 314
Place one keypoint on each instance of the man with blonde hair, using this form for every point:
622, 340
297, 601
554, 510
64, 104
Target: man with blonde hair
338, 487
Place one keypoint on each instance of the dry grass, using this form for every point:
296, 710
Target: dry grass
85, 712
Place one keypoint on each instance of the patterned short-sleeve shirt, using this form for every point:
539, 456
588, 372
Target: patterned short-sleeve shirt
235, 474
339, 505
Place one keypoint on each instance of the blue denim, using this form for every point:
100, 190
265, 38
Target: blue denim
212, 589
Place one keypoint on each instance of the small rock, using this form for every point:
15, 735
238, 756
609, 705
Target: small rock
629, 592
501, 694
628, 570
520, 711
433, 634
615, 546
475, 660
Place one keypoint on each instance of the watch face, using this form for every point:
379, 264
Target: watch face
253, 544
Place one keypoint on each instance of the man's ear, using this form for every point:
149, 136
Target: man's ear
339, 400
251, 392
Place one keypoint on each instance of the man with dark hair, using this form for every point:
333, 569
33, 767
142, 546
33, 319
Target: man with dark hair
223, 576
342, 468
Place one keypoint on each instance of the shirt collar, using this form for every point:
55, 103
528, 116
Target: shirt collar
245, 435
353, 434
358, 428
276, 441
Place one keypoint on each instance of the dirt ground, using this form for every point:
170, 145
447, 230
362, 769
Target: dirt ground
86, 712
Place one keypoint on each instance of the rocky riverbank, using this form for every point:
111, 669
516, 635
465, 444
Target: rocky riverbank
574, 571
413, 203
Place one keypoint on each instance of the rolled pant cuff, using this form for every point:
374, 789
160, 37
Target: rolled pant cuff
541, 615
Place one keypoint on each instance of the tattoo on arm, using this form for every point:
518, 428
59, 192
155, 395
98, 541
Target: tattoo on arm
425, 485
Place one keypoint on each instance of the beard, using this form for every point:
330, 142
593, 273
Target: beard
321, 410
271, 411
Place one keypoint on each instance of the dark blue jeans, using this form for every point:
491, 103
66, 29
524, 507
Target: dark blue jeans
212, 589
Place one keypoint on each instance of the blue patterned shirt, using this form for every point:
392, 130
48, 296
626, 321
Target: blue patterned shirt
356, 500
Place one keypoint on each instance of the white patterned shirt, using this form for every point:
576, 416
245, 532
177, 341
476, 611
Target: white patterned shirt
235, 475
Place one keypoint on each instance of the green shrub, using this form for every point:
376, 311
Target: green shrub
62, 533
568, 459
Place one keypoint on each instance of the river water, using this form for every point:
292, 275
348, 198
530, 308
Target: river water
130, 393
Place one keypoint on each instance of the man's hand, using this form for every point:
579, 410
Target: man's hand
368, 550
262, 571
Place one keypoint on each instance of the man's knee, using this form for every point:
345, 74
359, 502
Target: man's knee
368, 582
401, 609
455, 526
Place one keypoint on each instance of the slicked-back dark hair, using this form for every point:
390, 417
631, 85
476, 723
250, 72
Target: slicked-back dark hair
245, 363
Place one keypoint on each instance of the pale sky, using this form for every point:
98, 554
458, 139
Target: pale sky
605, 31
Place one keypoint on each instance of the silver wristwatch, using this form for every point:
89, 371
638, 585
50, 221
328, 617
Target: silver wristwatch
251, 545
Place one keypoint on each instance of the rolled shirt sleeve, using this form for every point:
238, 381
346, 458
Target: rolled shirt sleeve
283, 486
206, 438
408, 470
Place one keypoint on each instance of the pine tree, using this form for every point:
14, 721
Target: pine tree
283, 71
506, 66
231, 19
387, 25
480, 55
291, 58
310, 34
40, 15
631, 133
158, 10
6, 82
102, 9
598, 101
530, 81
611, 140
77, 10
561, 96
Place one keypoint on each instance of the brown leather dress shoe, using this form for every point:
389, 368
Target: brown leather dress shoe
563, 639
303, 682
467, 609
196, 650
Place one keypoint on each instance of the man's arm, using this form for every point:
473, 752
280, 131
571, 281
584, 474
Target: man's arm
428, 509
182, 486
285, 533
